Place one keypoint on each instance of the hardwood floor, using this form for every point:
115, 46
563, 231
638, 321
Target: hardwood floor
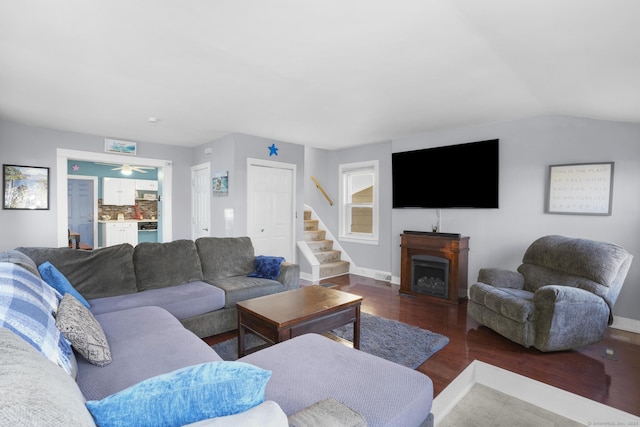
584, 372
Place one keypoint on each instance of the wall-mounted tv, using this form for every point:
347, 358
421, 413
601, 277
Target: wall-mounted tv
453, 176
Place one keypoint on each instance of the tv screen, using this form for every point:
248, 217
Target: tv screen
454, 176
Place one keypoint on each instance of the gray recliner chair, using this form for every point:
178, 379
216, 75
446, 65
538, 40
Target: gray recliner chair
561, 297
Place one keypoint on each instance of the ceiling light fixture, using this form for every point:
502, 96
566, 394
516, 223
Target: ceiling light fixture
126, 170
153, 119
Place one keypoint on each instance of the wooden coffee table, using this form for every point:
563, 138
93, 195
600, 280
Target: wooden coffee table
279, 317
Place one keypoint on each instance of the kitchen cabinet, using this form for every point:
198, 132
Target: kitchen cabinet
146, 185
117, 232
118, 191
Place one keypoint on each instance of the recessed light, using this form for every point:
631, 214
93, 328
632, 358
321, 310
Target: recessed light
153, 119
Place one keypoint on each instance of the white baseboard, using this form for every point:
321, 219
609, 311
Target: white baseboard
568, 405
626, 324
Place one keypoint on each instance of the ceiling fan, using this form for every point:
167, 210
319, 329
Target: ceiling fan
126, 168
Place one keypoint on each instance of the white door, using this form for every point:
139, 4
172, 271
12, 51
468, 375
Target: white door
201, 201
271, 208
81, 206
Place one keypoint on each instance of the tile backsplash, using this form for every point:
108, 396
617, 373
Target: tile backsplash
148, 209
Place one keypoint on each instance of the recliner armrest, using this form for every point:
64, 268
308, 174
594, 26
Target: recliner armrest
556, 294
501, 278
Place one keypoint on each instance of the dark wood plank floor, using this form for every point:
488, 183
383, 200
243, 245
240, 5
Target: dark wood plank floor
584, 372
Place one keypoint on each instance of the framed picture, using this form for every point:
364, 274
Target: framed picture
580, 188
25, 187
120, 147
220, 182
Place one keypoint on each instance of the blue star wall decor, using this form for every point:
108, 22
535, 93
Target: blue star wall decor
273, 150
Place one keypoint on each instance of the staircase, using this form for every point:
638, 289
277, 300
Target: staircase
329, 259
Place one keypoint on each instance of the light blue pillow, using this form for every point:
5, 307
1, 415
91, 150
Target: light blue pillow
267, 267
184, 396
59, 282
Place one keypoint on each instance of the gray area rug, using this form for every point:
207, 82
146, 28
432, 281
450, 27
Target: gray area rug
392, 340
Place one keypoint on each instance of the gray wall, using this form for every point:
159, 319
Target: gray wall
499, 237
231, 153
323, 165
34, 146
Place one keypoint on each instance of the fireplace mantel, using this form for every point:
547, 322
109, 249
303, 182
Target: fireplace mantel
452, 247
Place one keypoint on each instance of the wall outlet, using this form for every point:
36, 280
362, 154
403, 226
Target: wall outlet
609, 353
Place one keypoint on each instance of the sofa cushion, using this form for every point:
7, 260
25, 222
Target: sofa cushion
57, 281
28, 315
225, 256
240, 288
183, 301
144, 342
83, 331
514, 304
184, 396
34, 391
158, 265
311, 367
16, 257
267, 267
98, 273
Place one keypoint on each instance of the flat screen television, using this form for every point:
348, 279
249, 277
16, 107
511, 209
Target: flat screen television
453, 176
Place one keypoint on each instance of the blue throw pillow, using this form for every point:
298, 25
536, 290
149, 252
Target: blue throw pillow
59, 282
267, 267
184, 396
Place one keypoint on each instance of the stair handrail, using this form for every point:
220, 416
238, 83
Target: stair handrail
324, 193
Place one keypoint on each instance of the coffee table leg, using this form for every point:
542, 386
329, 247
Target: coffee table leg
356, 330
240, 336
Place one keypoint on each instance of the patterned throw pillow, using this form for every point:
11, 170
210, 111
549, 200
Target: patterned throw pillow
84, 332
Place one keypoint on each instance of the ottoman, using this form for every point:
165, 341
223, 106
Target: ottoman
310, 368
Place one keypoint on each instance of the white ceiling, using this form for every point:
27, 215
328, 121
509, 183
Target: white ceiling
324, 73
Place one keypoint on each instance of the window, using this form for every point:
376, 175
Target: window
359, 202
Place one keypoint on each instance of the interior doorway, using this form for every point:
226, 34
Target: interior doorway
82, 205
165, 184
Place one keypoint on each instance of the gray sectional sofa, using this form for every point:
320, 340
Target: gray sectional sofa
312, 379
177, 276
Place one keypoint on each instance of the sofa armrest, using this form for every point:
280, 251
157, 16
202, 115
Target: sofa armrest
501, 278
289, 275
568, 317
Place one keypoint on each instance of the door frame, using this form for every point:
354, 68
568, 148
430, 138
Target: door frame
294, 177
165, 179
94, 203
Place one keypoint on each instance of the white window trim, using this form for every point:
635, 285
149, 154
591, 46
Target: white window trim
343, 232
